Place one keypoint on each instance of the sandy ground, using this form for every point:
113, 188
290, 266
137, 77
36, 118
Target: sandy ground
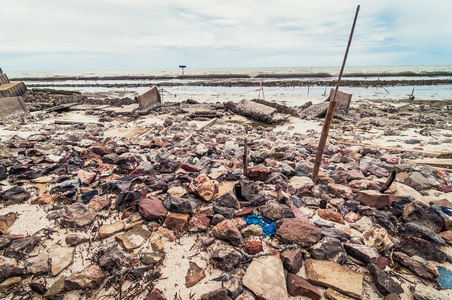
32, 219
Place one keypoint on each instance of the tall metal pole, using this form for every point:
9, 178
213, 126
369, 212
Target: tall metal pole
330, 111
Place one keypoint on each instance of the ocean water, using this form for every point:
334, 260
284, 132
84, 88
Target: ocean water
116, 83
381, 70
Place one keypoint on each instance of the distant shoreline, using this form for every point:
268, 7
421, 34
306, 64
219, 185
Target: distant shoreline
250, 83
238, 76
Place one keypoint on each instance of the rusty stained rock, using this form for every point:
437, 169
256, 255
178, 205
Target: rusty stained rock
204, 187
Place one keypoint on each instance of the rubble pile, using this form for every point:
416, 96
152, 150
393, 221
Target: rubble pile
109, 213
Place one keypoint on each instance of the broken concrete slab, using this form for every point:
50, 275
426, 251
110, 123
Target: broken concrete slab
256, 111
151, 96
12, 89
11, 106
283, 109
319, 110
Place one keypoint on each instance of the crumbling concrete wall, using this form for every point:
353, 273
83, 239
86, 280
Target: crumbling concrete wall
11, 100
150, 97
12, 89
12, 106
3, 78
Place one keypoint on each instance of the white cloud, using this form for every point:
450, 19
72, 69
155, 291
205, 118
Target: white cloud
101, 34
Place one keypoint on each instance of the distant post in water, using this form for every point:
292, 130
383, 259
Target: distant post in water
182, 67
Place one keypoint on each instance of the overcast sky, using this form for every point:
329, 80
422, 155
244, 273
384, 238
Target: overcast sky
148, 34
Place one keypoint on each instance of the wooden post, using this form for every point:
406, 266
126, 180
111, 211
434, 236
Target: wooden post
245, 158
330, 112
389, 181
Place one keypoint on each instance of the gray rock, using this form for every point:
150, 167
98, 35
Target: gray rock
422, 214
415, 229
181, 205
234, 287
276, 211
424, 292
21, 247
74, 239
111, 256
228, 200
152, 258
226, 212
217, 219
77, 215
334, 233
364, 253
417, 181
329, 249
38, 265
385, 284
65, 186
8, 266
89, 278
387, 220
225, 259
15, 195
287, 170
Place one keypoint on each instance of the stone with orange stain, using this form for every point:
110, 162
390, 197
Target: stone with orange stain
42, 199
331, 215
98, 203
85, 176
204, 187
42, 189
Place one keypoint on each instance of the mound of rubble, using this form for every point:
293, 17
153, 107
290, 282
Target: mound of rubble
85, 216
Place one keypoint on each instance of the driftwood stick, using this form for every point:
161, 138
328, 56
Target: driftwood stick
389, 181
330, 113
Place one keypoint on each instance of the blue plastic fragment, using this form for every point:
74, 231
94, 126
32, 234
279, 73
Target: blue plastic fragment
445, 277
268, 226
446, 211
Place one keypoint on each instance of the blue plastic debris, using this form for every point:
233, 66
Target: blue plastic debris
446, 211
268, 226
445, 277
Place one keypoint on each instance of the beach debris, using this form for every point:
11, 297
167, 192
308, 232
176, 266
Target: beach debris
256, 111
148, 98
319, 110
331, 108
12, 95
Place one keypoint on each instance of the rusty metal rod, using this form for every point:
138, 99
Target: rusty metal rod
330, 112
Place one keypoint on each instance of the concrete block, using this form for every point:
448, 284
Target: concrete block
343, 101
148, 98
10, 106
12, 89
3, 78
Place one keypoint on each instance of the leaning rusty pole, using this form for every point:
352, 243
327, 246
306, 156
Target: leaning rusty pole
330, 111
